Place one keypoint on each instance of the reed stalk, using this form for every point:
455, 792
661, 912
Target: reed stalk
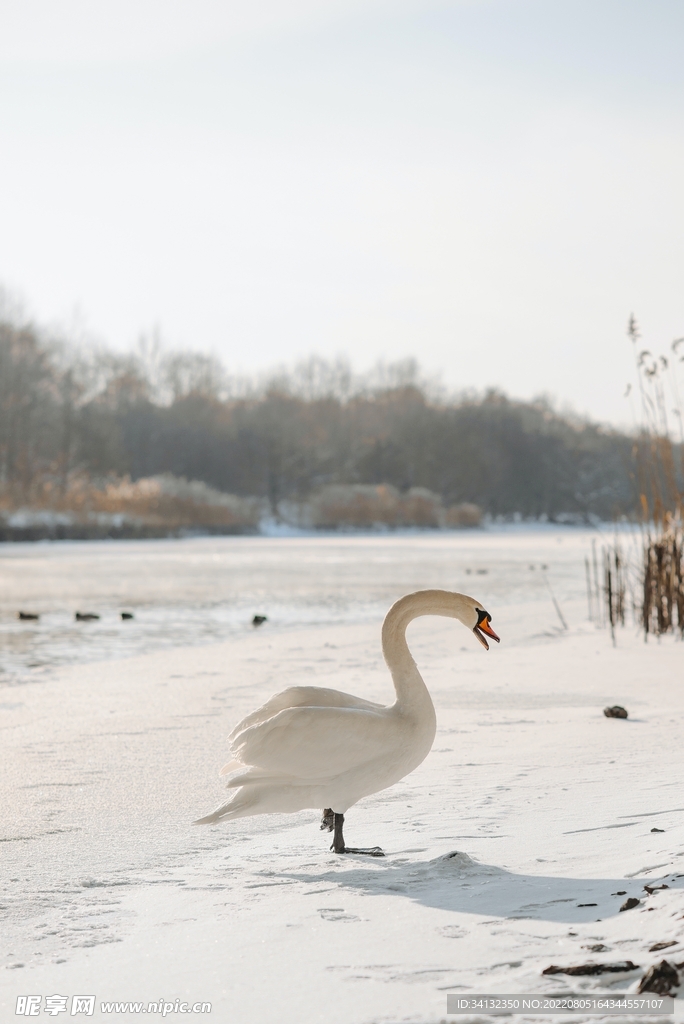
658, 462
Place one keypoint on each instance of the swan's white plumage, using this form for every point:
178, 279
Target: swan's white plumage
297, 697
310, 746
337, 740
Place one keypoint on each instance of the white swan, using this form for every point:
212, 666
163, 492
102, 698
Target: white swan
314, 747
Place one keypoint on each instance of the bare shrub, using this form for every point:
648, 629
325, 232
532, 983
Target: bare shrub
363, 506
421, 507
163, 501
462, 516
359, 506
171, 501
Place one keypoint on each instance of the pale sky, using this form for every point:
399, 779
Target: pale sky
492, 186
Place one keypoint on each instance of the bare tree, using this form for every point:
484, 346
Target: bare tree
68, 409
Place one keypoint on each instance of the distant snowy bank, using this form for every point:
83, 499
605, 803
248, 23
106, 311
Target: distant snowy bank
168, 506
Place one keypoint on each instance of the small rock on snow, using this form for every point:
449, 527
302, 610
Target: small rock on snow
659, 978
620, 967
631, 902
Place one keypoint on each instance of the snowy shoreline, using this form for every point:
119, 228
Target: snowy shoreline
110, 890
37, 526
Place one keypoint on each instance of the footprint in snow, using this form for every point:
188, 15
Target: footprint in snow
336, 914
452, 931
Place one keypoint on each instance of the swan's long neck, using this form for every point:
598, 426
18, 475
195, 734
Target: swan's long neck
412, 693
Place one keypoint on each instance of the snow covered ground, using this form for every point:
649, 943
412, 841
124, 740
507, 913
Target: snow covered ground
107, 889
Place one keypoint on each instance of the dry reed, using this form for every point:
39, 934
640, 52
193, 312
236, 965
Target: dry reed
658, 462
364, 506
165, 502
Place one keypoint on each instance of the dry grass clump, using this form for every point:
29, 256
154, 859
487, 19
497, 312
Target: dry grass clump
176, 502
365, 506
463, 516
659, 474
359, 506
663, 583
168, 503
165, 502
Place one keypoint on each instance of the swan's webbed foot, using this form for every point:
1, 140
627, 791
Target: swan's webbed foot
328, 820
338, 839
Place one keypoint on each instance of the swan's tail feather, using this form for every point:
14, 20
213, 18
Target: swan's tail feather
209, 819
232, 766
278, 798
255, 776
247, 800
237, 807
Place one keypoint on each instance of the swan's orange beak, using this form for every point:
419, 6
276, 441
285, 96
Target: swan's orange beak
483, 627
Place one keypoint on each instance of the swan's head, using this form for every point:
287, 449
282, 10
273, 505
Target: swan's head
482, 626
480, 622
438, 602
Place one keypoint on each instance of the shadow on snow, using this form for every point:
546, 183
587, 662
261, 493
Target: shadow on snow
455, 882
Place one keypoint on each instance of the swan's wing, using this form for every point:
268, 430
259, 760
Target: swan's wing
297, 697
316, 743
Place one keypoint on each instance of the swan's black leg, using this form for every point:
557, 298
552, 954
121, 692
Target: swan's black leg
328, 820
338, 841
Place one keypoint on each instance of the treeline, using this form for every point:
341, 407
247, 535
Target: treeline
96, 414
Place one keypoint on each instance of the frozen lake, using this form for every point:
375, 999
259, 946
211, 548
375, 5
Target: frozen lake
203, 590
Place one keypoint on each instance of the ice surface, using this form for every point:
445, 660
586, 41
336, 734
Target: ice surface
547, 805
203, 590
